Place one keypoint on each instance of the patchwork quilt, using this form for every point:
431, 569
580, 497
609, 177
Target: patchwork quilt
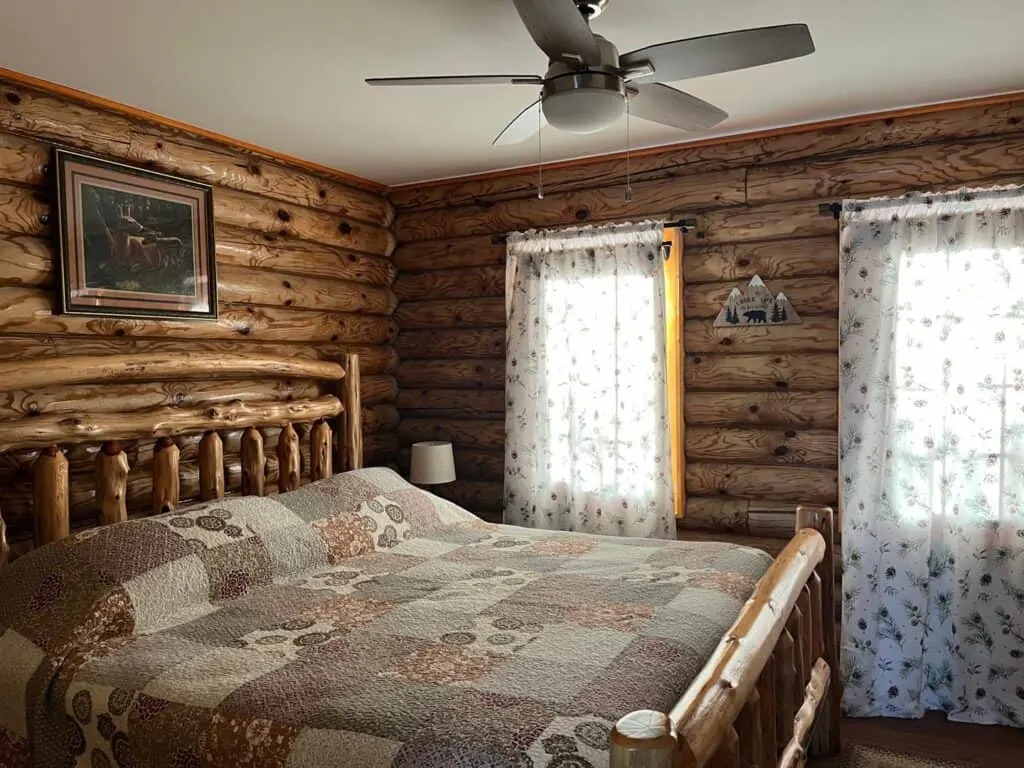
358, 621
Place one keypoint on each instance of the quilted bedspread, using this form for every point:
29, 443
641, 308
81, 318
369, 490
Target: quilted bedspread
358, 621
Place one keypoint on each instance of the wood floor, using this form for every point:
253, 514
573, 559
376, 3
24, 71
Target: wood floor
935, 738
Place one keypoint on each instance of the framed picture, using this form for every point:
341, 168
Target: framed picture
133, 243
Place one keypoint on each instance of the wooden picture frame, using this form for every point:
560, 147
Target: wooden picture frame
132, 242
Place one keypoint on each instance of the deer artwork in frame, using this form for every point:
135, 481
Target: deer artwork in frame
133, 243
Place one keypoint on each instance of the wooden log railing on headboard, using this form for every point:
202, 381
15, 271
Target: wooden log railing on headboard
50, 488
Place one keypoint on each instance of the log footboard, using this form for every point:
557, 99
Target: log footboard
769, 696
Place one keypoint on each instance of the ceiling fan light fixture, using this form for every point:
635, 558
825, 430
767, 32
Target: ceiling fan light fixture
584, 102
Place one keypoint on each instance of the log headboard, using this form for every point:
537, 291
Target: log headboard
333, 419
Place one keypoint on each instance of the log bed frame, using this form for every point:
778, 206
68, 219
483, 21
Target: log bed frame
743, 710
335, 435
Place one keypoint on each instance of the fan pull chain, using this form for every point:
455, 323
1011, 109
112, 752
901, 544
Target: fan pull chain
629, 184
540, 153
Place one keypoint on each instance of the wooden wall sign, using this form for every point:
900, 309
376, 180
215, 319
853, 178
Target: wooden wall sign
133, 242
757, 305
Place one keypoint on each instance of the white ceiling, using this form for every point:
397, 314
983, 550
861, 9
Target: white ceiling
287, 74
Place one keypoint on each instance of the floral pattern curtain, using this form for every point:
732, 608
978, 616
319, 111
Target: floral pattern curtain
932, 455
587, 425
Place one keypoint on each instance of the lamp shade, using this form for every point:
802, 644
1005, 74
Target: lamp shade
432, 463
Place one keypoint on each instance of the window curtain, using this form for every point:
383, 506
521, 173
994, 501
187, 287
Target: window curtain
932, 455
587, 424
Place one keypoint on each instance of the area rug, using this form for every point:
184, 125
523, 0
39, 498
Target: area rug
859, 756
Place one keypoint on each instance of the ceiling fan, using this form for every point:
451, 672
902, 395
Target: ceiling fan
588, 83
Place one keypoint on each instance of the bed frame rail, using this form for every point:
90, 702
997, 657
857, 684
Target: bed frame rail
745, 707
335, 432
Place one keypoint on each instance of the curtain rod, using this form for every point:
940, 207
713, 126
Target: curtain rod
683, 224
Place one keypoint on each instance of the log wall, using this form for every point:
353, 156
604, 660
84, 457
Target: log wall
761, 403
303, 267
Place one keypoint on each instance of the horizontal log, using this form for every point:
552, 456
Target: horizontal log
763, 222
814, 410
239, 209
655, 199
452, 403
807, 372
483, 499
772, 546
778, 524
451, 345
452, 374
261, 287
22, 160
158, 422
924, 167
248, 172
732, 515
115, 368
113, 397
465, 283
809, 447
470, 464
380, 450
31, 310
23, 211
808, 295
49, 118
805, 485
25, 260
457, 253
63, 122
459, 313
771, 260
815, 333
837, 139
377, 389
379, 418
487, 435
260, 250
27, 347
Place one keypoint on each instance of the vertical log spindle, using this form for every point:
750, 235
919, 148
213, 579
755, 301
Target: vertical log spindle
748, 728
211, 467
817, 646
5, 548
253, 463
166, 481
807, 639
728, 753
785, 689
795, 625
766, 691
320, 453
352, 435
112, 483
289, 460
50, 496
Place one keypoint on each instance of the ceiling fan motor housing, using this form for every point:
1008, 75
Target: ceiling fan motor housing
585, 100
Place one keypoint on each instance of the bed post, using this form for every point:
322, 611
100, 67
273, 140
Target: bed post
643, 739
825, 739
350, 427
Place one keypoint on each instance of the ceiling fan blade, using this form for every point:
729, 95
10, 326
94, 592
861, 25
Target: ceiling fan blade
559, 30
668, 106
711, 54
459, 80
525, 126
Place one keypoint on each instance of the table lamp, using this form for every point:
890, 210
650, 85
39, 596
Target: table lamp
432, 463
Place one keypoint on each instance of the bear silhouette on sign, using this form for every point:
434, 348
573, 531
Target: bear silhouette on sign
755, 316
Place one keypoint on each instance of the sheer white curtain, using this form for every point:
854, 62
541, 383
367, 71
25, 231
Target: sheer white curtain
932, 447
587, 429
